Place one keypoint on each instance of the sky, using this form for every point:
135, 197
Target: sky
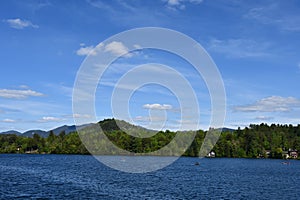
254, 44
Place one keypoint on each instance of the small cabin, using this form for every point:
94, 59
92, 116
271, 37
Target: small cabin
293, 153
211, 154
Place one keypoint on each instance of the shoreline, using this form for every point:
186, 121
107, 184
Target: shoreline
64, 154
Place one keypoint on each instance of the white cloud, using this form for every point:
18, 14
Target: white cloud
24, 86
264, 118
137, 46
157, 106
149, 119
77, 116
180, 4
173, 2
142, 118
117, 48
240, 48
20, 24
50, 119
8, 120
18, 94
84, 116
271, 104
186, 121
84, 51
195, 1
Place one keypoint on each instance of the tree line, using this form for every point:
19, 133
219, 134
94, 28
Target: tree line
53, 144
251, 142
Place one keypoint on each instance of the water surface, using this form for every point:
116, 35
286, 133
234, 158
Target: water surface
81, 176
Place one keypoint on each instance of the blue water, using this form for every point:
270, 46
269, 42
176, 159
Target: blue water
83, 177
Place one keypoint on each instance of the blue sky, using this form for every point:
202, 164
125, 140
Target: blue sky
255, 44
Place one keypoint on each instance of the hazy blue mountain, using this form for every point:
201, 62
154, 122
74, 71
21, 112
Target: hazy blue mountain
227, 129
57, 131
65, 128
106, 125
11, 132
30, 133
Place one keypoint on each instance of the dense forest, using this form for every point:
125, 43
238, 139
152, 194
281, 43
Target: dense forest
251, 142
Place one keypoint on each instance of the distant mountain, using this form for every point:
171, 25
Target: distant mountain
227, 129
11, 132
30, 133
65, 128
108, 125
56, 131
224, 129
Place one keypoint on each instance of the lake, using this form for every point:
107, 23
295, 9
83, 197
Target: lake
83, 177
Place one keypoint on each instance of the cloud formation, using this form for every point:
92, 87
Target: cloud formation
8, 120
157, 106
180, 4
116, 48
18, 94
84, 51
49, 119
149, 118
264, 118
271, 104
80, 116
20, 24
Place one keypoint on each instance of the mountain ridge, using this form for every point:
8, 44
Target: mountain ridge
106, 125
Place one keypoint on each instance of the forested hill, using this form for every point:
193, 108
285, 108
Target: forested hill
250, 142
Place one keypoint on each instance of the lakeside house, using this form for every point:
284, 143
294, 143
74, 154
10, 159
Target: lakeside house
293, 153
290, 154
211, 154
31, 151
